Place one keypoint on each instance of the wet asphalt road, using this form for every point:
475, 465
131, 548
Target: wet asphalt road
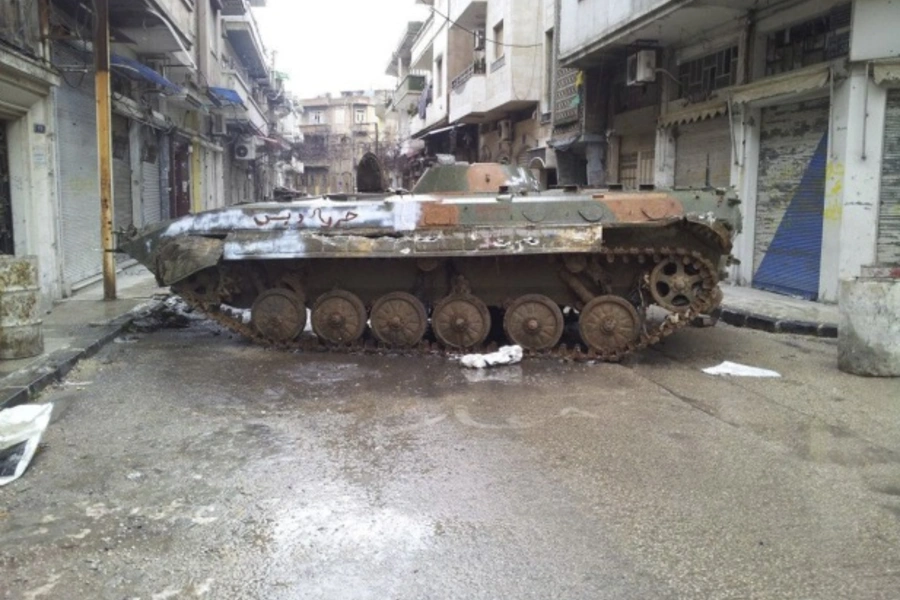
188, 464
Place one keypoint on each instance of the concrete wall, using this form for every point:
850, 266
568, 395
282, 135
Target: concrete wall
874, 32
583, 22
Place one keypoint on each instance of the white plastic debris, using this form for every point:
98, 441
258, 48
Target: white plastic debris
739, 370
21, 428
506, 355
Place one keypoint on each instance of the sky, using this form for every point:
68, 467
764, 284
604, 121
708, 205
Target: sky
335, 45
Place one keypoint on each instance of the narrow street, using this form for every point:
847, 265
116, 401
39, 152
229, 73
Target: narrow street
184, 463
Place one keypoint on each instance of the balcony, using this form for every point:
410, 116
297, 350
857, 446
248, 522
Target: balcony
470, 14
459, 82
243, 33
435, 116
239, 7
422, 50
412, 85
251, 114
315, 128
154, 27
469, 93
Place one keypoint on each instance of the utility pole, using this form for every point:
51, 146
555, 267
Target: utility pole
104, 144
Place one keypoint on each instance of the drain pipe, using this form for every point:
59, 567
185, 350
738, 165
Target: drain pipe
865, 109
737, 163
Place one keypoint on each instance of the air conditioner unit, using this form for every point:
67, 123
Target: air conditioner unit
641, 67
506, 130
479, 39
245, 149
218, 125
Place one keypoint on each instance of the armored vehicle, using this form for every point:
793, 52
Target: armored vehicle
470, 246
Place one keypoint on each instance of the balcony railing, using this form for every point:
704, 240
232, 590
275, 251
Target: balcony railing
315, 128
476, 68
411, 84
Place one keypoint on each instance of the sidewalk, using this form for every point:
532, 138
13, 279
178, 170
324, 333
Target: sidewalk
749, 307
77, 328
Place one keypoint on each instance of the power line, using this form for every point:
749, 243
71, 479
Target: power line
486, 39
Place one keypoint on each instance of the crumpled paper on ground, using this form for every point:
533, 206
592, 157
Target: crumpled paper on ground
505, 355
21, 428
739, 370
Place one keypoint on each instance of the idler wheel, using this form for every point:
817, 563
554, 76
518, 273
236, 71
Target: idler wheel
677, 284
339, 317
278, 315
609, 324
534, 322
398, 319
461, 321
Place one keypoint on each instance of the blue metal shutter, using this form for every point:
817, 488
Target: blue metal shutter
791, 198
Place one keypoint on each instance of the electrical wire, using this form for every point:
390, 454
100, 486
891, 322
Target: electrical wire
486, 39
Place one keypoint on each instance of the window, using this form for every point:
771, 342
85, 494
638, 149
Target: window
359, 115
813, 41
498, 40
317, 117
699, 77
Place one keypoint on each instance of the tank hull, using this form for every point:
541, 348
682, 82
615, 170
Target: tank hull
455, 262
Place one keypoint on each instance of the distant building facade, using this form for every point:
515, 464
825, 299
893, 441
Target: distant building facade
338, 131
475, 80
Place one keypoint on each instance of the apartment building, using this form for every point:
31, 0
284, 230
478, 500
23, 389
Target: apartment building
197, 123
486, 70
338, 131
793, 104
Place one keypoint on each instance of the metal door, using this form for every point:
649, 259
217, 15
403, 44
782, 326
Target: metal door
7, 245
636, 160
123, 209
79, 185
151, 199
791, 198
888, 249
703, 154
181, 176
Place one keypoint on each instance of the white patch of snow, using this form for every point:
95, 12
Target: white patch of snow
506, 355
739, 370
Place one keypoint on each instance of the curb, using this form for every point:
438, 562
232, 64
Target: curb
23, 385
751, 320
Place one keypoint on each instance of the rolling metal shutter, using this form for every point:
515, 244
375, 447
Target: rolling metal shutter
888, 250
791, 198
636, 160
703, 154
79, 187
151, 207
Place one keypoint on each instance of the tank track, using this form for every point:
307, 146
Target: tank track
232, 320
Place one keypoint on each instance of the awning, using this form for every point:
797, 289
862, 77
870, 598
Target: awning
423, 133
224, 97
565, 142
886, 73
793, 82
693, 113
137, 70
